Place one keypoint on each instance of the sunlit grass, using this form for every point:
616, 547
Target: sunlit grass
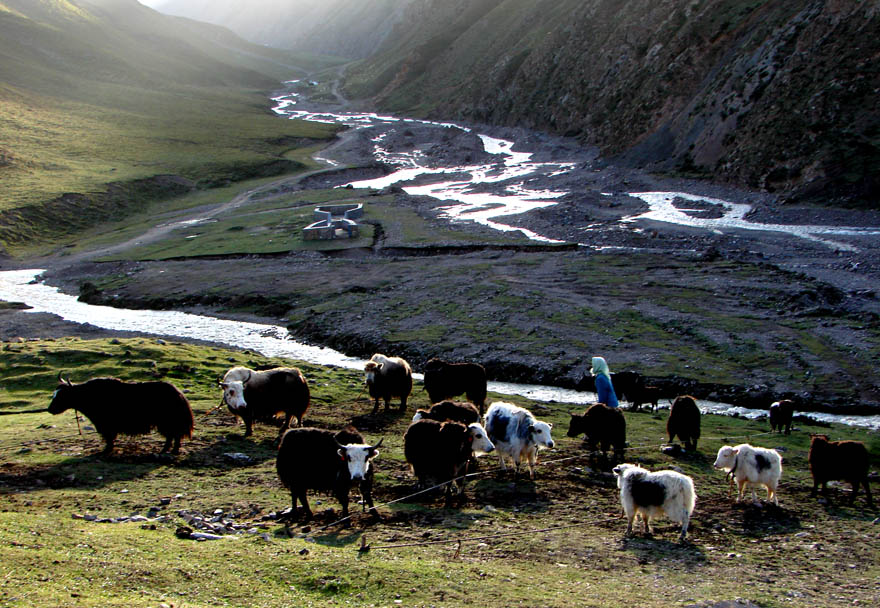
49, 474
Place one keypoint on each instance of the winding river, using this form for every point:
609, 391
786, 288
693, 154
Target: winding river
462, 203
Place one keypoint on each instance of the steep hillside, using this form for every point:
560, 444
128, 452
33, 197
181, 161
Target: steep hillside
98, 97
345, 28
774, 95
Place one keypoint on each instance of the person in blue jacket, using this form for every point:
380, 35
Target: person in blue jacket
604, 389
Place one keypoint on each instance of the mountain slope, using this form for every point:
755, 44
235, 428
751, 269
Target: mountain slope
775, 95
345, 28
96, 95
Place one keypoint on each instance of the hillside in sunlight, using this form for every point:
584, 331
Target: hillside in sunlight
97, 97
778, 96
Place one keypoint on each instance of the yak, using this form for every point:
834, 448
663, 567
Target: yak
317, 459
444, 380
684, 421
117, 407
253, 395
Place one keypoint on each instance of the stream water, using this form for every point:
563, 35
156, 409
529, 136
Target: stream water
462, 204
275, 341
465, 202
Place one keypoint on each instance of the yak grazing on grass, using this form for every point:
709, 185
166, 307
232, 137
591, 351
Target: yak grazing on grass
117, 407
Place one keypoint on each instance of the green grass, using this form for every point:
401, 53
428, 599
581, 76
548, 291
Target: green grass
49, 474
115, 99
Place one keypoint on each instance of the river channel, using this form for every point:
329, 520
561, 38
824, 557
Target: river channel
461, 203
465, 200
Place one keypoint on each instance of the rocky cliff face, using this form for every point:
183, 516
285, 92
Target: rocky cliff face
777, 95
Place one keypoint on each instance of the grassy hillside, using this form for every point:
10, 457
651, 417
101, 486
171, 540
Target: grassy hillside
98, 96
769, 95
67, 537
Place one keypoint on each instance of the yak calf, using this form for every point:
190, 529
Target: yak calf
602, 426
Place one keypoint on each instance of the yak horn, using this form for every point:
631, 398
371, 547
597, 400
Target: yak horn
246, 379
375, 447
62, 380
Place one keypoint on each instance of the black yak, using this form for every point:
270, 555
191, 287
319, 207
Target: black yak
459, 411
253, 395
847, 460
781, 413
439, 451
684, 421
317, 459
445, 380
128, 408
603, 426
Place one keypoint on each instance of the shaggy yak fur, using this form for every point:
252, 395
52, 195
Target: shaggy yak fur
459, 411
312, 459
444, 380
846, 460
781, 414
650, 495
684, 421
116, 408
253, 395
604, 426
438, 452
388, 377
751, 466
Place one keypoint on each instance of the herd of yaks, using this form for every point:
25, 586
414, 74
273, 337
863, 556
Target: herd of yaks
443, 439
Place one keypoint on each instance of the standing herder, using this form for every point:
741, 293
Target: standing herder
604, 389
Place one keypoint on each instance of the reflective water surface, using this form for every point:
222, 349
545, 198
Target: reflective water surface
466, 204
462, 204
